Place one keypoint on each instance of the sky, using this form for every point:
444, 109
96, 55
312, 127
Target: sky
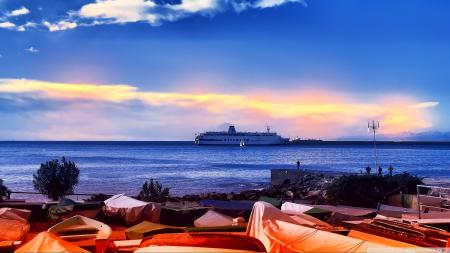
168, 69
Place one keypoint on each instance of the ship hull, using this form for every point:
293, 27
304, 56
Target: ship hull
236, 140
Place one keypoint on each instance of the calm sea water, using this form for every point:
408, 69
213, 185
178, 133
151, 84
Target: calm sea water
115, 167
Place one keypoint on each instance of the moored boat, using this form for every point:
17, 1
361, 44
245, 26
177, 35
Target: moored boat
83, 231
405, 232
222, 242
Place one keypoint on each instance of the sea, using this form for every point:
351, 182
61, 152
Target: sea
122, 167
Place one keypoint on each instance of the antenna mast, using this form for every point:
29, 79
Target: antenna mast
374, 127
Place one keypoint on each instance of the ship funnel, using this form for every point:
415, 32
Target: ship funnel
231, 130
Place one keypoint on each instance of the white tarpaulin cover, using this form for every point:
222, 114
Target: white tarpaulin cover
132, 210
295, 211
279, 233
213, 219
293, 208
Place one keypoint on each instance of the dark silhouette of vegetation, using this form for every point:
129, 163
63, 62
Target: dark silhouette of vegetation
4, 191
98, 197
56, 179
153, 191
368, 190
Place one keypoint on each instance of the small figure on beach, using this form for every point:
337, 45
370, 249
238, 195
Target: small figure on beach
298, 164
368, 169
380, 171
390, 169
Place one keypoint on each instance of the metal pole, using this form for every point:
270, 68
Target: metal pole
375, 149
374, 127
418, 199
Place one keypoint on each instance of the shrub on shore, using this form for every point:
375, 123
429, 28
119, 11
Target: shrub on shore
153, 191
56, 178
4, 191
369, 190
98, 197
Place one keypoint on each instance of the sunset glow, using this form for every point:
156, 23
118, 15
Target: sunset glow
342, 111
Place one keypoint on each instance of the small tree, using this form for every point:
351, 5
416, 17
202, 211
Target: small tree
56, 179
4, 191
153, 191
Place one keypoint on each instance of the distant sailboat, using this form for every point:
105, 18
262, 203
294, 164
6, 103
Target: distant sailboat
242, 143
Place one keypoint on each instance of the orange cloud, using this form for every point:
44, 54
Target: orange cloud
316, 113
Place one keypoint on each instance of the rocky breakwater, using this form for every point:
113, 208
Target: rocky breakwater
304, 185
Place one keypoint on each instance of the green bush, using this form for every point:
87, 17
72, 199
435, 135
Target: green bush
4, 191
153, 191
56, 179
369, 190
98, 197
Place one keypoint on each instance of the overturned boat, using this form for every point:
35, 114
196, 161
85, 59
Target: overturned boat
83, 231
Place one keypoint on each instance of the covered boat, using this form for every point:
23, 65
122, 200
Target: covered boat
177, 249
403, 231
213, 219
146, 228
232, 208
280, 233
132, 210
294, 208
84, 232
220, 241
49, 243
182, 216
14, 224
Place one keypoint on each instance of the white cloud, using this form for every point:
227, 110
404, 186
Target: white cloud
119, 11
7, 25
21, 28
30, 24
60, 26
196, 5
1, 56
274, 3
424, 105
19, 12
130, 11
102, 12
32, 50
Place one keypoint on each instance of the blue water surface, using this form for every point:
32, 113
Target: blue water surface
116, 167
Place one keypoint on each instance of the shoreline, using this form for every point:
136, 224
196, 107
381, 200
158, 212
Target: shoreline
308, 185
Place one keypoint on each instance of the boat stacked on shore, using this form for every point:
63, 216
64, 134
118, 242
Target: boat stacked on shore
125, 224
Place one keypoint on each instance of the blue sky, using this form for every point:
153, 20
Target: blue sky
296, 65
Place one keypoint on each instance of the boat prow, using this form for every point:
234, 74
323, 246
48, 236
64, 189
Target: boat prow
81, 228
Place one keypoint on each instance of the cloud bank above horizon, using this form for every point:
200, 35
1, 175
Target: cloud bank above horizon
152, 12
41, 110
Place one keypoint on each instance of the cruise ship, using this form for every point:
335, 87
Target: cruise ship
232, 137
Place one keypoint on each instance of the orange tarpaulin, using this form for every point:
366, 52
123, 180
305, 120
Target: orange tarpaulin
205, 239
13, 230
48, 242
379, 239
280, 233
176, 249
14, 224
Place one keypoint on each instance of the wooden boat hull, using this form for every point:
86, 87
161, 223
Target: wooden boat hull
84, 232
